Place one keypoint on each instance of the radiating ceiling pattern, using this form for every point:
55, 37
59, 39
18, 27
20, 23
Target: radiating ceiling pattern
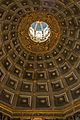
40, 81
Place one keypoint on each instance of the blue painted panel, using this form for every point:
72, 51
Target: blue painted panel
38, 28
44, 25
33, 25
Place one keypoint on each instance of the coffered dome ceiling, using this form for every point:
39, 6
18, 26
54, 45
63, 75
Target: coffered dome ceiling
40, 78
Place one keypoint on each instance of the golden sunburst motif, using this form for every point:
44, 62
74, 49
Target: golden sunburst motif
38, 47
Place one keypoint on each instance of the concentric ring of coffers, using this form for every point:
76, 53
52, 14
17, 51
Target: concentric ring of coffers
70, 49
